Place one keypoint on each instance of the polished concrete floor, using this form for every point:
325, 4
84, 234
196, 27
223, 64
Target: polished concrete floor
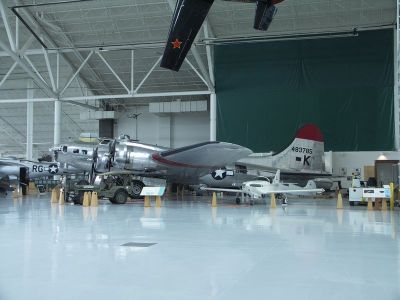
307, 251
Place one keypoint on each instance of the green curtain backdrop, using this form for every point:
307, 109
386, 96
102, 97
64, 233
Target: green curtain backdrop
265, 91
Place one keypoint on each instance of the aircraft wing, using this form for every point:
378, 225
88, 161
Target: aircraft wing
221, 190
187, 20
117, 172
208, 155
267, 192
7, 162
295, 191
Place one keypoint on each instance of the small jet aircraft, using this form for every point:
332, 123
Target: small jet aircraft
13, 166
257, 189
301, 161
183, 165
188, 18
25, 170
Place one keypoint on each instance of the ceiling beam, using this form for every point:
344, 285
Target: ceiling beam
47, 90
31, 18
7, 25
73, 100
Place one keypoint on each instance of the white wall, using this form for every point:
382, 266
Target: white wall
43, 127
350, 161
357, 160
190, 128
168, 130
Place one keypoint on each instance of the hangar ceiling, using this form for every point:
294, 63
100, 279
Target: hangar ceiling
106, 34
76, 27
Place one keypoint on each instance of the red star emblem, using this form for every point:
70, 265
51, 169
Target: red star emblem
176, 44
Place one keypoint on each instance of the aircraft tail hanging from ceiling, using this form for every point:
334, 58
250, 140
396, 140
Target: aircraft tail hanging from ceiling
188, 18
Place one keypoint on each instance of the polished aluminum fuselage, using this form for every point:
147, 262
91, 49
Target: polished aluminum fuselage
129, 155
183, 165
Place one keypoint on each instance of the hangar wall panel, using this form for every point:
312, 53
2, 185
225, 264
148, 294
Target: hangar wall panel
14, 115
266, 91
347, 163
168, 130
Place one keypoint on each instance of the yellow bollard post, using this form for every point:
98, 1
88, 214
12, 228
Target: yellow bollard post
384, 204
370, 206
158, 201
391, 196
89, 198
214, 200
339, 204
32, 190
32, 186
147, 201
273, 201
95, 200
85, 199
54, 196
61, 200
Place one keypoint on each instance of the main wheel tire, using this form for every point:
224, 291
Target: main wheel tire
137, 187
351, 203
238, 200
120, 197
78, 198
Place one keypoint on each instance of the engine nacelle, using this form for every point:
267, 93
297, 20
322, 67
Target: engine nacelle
265, 13
102, 159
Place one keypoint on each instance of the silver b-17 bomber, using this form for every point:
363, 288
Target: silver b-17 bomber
182, 165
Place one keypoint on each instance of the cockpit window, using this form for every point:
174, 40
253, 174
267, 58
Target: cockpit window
104, 142
256, 185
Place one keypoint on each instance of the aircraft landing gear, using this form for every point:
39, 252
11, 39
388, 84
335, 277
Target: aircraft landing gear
283, 199
238, 200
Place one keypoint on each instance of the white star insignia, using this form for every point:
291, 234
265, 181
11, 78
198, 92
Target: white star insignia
53, 169
219, 174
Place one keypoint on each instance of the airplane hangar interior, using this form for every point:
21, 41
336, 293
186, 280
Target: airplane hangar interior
199, 149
